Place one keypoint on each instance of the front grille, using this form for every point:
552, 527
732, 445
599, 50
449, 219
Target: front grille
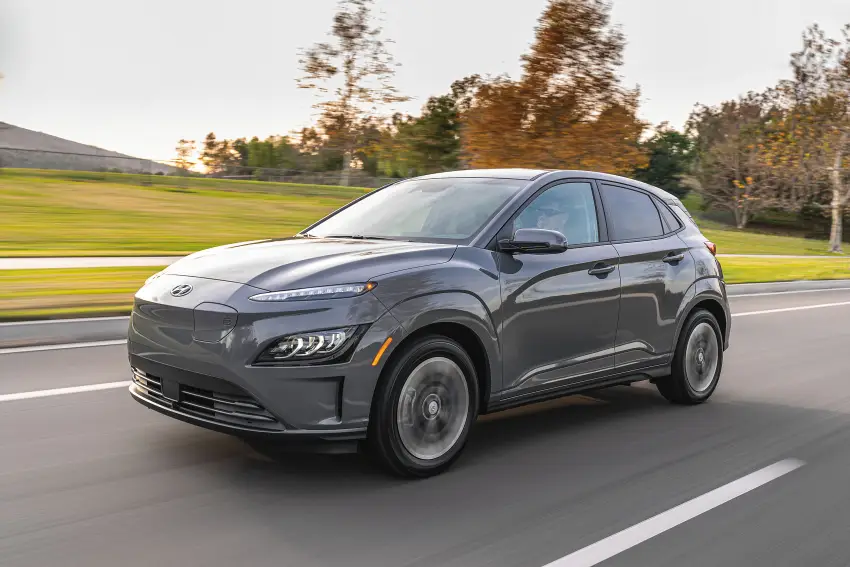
223, 408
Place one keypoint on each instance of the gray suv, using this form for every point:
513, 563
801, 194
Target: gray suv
397, 320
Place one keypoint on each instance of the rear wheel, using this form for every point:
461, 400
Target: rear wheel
424, 407
697, 361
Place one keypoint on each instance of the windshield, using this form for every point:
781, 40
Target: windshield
440, 209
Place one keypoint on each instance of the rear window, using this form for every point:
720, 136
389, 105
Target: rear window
632, 214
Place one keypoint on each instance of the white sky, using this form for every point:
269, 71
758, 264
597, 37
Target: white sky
135, 76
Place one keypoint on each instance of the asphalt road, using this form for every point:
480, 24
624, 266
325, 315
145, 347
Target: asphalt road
94, 479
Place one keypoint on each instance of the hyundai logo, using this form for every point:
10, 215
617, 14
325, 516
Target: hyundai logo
181, 290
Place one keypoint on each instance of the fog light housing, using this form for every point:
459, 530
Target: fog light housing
309, 347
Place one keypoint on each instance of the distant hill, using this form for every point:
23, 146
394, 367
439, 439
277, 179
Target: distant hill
20, 147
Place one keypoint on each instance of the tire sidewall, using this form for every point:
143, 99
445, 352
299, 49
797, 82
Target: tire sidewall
429, 347
701, 316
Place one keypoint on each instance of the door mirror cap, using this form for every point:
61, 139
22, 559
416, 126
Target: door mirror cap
535, 241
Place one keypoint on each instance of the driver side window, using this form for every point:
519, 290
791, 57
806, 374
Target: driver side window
568, 208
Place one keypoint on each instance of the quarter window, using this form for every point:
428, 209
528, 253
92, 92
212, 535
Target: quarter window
567, 208
670, 219
632, 214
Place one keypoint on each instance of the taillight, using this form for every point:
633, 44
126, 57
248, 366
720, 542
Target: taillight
712, 247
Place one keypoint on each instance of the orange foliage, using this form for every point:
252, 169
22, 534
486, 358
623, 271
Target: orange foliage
568, 110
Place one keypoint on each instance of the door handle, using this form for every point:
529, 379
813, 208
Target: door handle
673, 258
600, 269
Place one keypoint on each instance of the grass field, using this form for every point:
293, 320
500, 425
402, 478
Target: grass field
49, 213
47, 216
750, 270
42, 294
60, 213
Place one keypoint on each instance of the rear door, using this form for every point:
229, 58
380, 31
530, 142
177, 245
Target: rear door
656, 272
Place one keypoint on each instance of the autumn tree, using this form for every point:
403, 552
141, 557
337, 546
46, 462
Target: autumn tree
568, 108
731, 156
822, 72
354, 69
185, 150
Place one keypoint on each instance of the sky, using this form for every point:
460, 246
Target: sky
135, 77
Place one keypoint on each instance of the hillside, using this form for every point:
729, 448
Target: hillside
20, 147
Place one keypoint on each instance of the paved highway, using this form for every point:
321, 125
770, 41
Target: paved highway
758, 476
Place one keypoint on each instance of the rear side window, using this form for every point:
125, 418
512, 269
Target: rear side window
670, 219
632, 214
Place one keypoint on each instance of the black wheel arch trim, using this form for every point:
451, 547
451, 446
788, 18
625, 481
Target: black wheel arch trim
708, 293
467, 311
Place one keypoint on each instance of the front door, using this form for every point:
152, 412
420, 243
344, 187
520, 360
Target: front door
559, 311
656, 270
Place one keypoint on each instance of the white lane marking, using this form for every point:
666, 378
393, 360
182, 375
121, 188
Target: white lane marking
639, 533
62, 391
786, 309
761, 294
15, 350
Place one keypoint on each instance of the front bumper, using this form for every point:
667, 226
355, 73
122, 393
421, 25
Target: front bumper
172, 409
216, 385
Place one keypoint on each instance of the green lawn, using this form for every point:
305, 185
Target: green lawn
749, 270
733, 241
50, 213
61, 213
730, 240
48, 216
41, 294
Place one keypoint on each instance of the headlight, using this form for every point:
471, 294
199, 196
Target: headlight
312, 346
326, 292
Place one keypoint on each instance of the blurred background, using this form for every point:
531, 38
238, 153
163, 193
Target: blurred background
135, 133
155, 132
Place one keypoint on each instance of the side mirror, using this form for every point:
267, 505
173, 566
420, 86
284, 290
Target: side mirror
535, 241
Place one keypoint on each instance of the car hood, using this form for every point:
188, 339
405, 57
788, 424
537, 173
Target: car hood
294, 263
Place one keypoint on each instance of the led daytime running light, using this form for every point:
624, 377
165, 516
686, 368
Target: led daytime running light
324, 292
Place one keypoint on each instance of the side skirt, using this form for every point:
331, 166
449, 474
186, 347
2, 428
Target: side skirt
621, 379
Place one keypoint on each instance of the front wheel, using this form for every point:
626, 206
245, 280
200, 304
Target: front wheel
697, 361
424, 407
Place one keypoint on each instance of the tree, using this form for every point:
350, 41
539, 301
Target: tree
837, 107
671, 156
820, 92
185, 150
210, 153
731, 163
568, 109
356, 68
219, 156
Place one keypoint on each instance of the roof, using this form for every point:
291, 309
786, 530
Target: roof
531, 174
523, 174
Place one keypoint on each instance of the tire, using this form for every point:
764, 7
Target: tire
697, 362
428, 388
